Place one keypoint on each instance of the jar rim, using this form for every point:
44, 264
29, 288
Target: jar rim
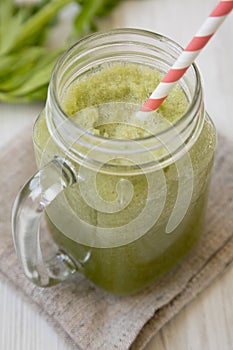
195, 102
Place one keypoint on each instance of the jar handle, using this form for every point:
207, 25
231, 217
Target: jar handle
27, 211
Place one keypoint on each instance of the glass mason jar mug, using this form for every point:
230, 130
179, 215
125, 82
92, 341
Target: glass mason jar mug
124, 195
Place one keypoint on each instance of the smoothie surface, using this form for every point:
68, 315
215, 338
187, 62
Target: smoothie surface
105, 102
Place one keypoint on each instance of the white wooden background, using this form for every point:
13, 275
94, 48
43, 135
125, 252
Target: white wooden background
207, 322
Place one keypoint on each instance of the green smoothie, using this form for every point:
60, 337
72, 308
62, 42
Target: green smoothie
125, 264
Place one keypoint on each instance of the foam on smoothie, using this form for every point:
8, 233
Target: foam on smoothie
122, 89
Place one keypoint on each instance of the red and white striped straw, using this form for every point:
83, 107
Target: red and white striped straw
187, 57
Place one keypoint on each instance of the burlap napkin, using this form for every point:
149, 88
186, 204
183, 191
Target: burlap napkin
85, 316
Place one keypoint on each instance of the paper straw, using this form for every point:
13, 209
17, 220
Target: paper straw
187, 57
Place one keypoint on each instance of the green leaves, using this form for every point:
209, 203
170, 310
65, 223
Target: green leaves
9, 25
25, 61
34, 25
